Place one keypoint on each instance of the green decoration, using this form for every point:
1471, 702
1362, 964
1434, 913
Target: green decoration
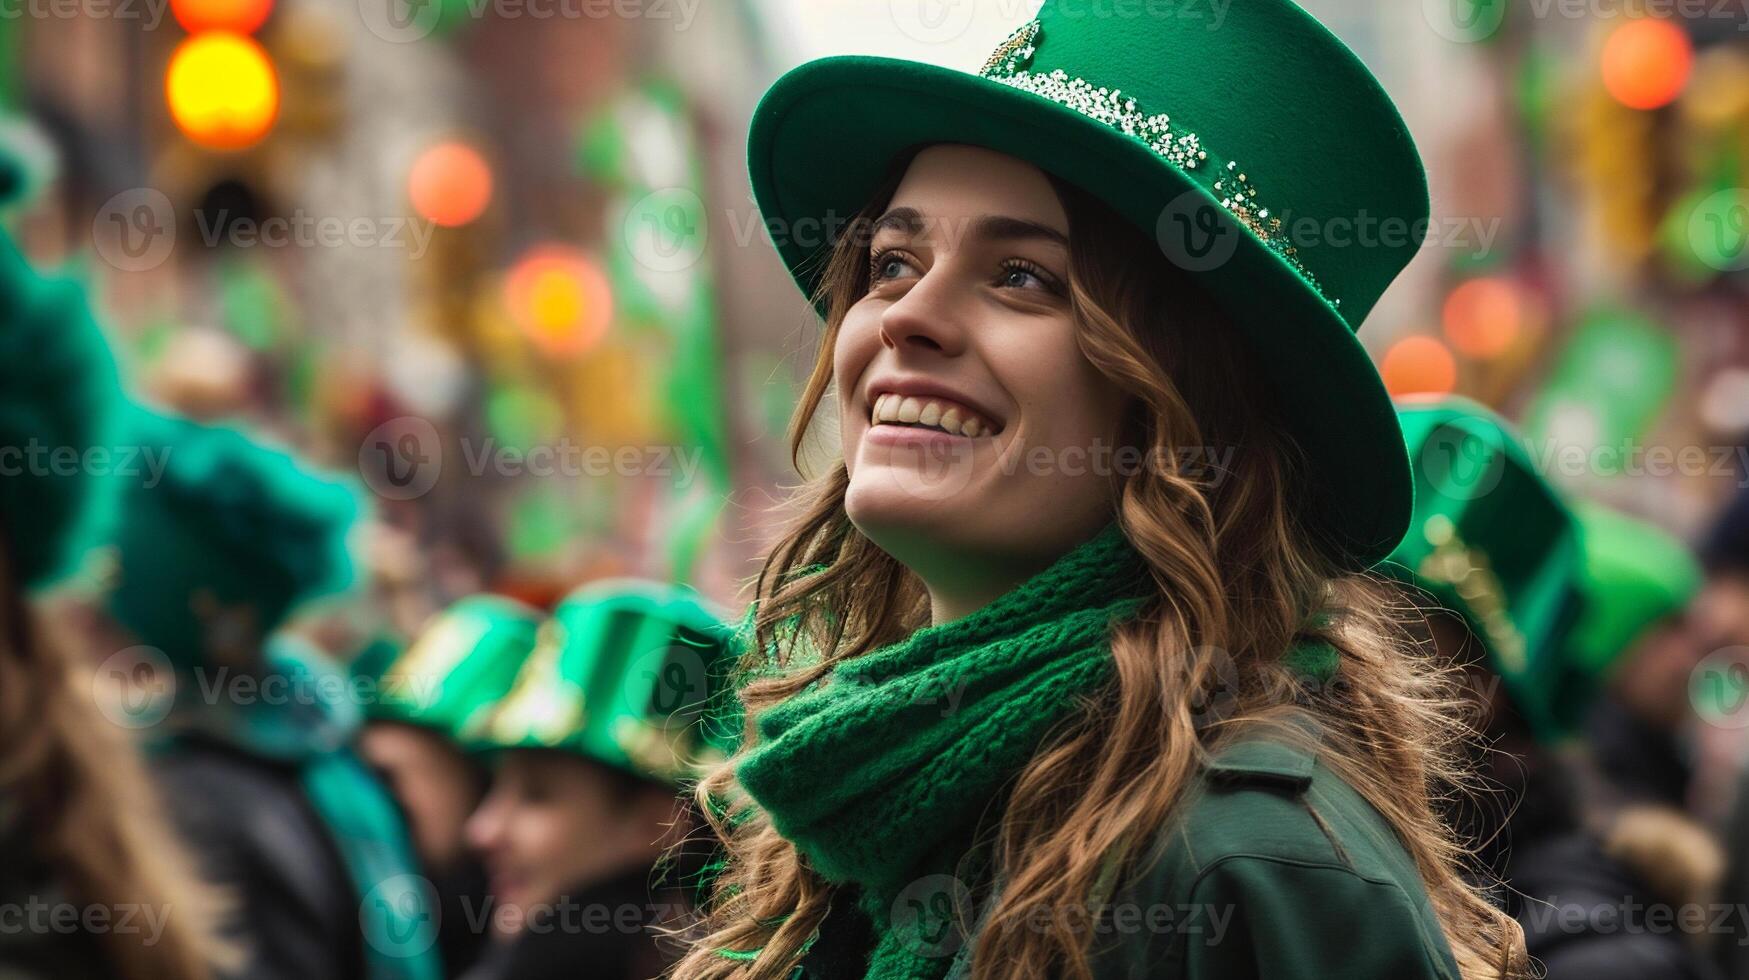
623, 674
252, 304
221, 538
1608, 385
1634, 576
455, 671
59, 403
1494, 543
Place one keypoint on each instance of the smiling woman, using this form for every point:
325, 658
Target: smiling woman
1172, 685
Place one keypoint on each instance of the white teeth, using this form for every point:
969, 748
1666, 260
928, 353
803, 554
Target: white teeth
945, 416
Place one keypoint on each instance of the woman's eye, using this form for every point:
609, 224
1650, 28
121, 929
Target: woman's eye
887, 265
1025, 276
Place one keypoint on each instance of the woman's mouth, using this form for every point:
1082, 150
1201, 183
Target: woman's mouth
933, 413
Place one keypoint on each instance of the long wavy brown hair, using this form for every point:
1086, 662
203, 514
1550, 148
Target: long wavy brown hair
79, 792
1236, 572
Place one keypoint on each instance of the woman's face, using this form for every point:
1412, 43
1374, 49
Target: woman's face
977, 436
435, 782
552, 823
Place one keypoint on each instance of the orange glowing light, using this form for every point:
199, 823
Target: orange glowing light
450, 184
1483, 317
1646, 63
242, 16
1419, 365
222, 90
560, 299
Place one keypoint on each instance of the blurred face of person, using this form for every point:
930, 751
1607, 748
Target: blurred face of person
970, 418
438, 786
553, 822
1721, 612
1653, 679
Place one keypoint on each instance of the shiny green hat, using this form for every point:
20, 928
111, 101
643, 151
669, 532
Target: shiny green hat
1494, 543
624, 673
1633, 575
460, 665
222, 539
58, 398
1263, 157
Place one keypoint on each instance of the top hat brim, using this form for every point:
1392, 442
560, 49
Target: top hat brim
825, 134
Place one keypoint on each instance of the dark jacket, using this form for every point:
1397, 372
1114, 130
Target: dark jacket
603, 931
38, 943
1586, 916
1275, 869
252, 830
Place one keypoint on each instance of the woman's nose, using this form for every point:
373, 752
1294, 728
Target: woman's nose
483, 826
931, 316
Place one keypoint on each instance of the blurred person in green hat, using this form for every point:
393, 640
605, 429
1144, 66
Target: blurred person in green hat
593, 744
427, 696
81, 828
1636, 647
253, 727
1495, 559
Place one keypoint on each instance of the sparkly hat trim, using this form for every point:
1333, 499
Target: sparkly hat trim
1009, 65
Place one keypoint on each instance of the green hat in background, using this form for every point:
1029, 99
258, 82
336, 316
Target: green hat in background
1493, 542
1633, 575
1229, 147
223, 544
624, 673
459, 666
58, 398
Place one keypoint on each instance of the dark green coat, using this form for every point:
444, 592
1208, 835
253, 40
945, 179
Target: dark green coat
1278, 870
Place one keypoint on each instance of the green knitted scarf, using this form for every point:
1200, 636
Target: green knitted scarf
880, 773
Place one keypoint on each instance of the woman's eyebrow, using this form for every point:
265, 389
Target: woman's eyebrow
994, 227
1003, 228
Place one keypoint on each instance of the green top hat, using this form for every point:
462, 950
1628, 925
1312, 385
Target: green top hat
1266, 141
1633, 575
58, 395
459, 667
1492, 541
226, 541
623, 673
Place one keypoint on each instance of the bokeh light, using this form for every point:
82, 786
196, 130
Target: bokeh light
1419, 366
242, 16
450, 184
1483, 317
560, 299
1646, 63
222, 90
